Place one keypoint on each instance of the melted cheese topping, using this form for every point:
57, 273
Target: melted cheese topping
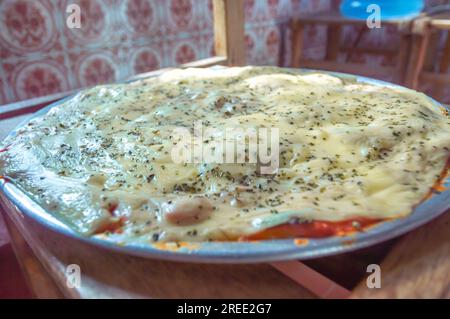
101, 161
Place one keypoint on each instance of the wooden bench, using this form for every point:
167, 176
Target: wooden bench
334, 23
425, 64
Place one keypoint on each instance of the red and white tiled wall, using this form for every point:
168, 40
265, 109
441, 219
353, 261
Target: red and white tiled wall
40, 55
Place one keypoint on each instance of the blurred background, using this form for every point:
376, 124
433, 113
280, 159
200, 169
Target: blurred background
40, 55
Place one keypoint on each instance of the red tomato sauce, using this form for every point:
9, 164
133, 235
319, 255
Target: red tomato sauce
320, 228
313, 229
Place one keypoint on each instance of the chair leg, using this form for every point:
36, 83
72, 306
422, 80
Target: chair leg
445, 60
402, 63
443, 67
433, 48
333, 42
417, 58
297, 29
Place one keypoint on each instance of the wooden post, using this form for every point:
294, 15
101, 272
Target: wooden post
443, 67
297, 33
402, 58
421, 36
229, 38
333, 42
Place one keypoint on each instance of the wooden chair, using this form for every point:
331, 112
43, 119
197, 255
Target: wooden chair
334, 22
425, 66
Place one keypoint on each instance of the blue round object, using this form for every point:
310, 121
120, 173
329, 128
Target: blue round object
389, 9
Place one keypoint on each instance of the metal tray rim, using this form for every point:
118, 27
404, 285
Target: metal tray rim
240, 252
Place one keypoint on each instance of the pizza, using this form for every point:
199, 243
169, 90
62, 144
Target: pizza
312, 155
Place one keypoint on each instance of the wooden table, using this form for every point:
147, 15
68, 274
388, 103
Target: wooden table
416, 265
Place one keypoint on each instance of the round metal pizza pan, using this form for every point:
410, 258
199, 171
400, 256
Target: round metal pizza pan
17, 202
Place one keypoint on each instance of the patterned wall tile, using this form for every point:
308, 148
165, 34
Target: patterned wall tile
2, 93
98, 25
183, 50
140, 18
145, 58
27, 27
32, 78
180, 15
92, 68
